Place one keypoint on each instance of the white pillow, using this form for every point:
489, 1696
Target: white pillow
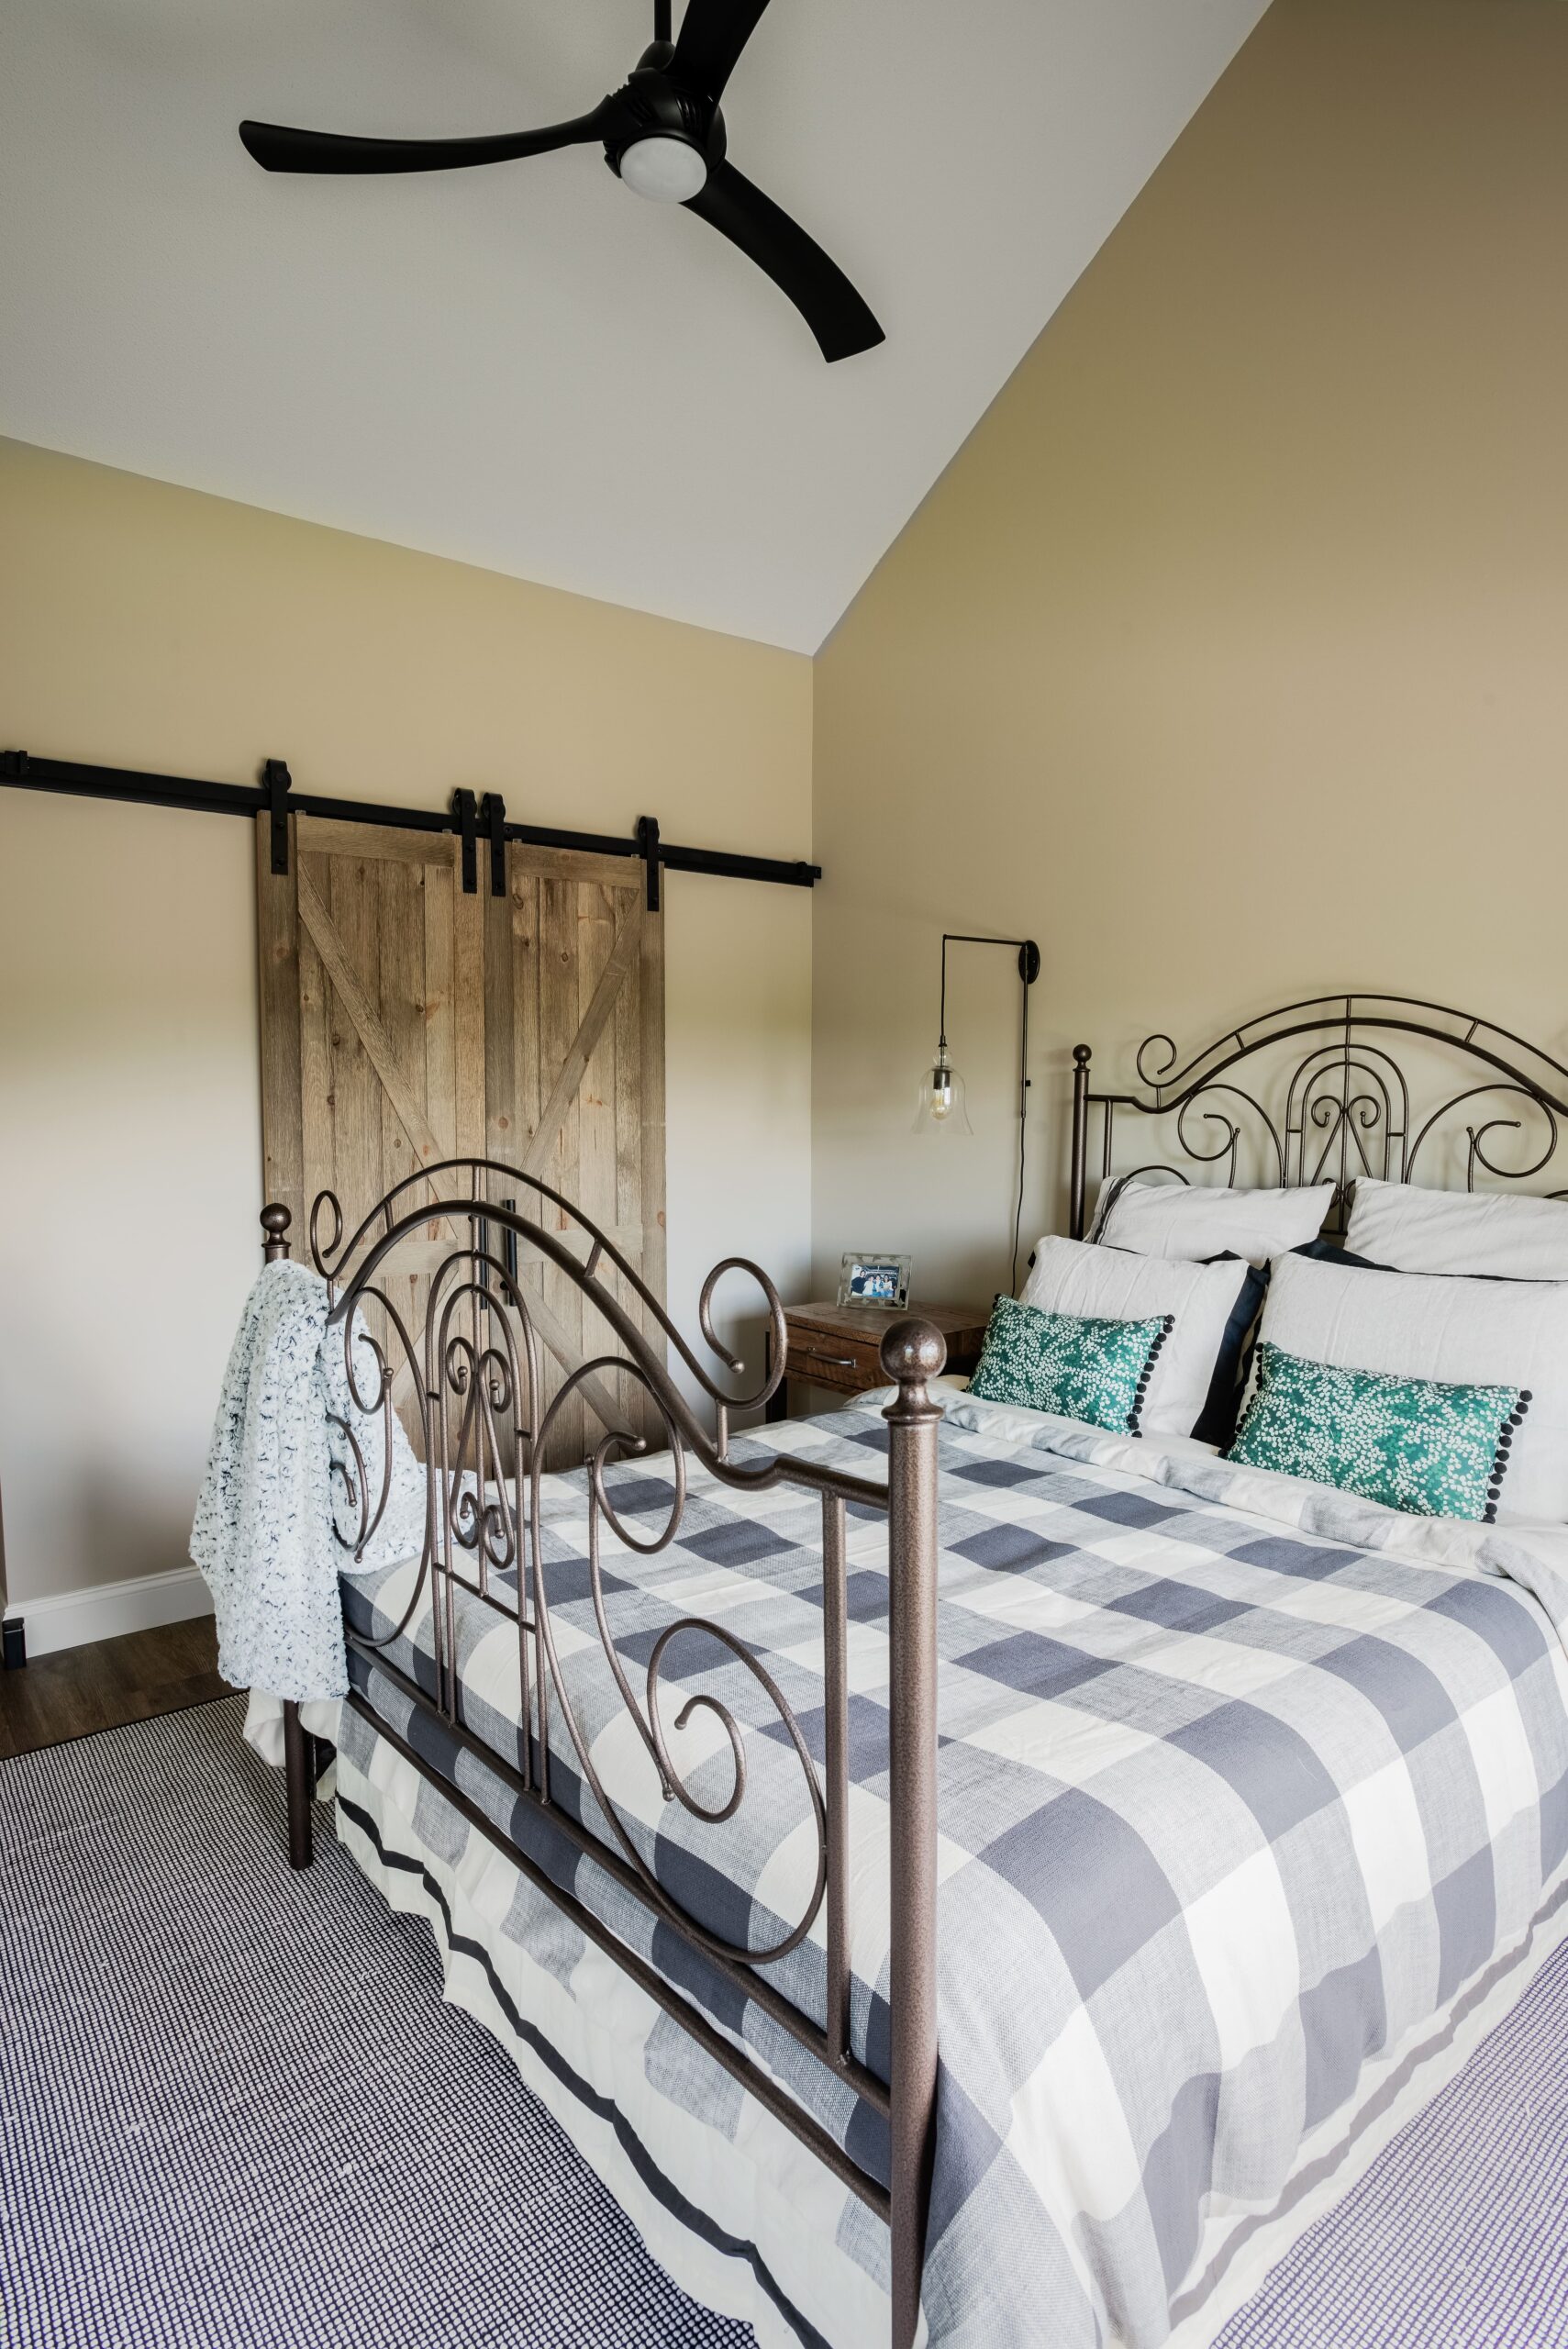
1408, 1325
1195, 1221
1459, 1231
1105, 1283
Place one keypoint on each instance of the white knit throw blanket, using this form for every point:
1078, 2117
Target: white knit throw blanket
264, 1532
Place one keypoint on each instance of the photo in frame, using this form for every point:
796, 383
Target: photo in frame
865, 1278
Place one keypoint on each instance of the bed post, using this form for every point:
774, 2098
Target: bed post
296, 1780
912, 1352
275, 1221
1079, 1140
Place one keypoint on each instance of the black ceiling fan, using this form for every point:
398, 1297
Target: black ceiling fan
663, 137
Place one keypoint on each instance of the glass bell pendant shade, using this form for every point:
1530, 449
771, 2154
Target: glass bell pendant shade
941, 1109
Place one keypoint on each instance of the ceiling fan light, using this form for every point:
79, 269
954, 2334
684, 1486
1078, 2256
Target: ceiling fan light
666, 169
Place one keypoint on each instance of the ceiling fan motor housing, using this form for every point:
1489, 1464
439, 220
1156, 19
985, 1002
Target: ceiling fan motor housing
656, 109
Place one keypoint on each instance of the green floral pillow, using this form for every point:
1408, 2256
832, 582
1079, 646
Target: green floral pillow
1080, 1369
1412, 1443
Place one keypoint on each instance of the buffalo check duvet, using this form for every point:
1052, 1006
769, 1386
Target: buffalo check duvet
1244, 1785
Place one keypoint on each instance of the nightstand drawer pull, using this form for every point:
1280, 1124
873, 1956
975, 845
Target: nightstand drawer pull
839, 1362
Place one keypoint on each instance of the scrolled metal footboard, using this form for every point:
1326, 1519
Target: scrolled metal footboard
484, 1428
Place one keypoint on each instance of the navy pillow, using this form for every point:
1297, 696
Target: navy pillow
1328, 1252
1216, 1423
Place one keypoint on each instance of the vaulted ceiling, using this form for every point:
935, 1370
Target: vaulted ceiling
526, 366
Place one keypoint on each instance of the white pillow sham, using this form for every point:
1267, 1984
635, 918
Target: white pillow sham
1412, 1230
1109, 1284
1410, 1325
1194, 1222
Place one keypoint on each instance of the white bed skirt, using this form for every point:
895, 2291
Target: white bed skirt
760, 2190
714, 2208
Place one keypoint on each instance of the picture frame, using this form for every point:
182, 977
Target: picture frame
875, 1276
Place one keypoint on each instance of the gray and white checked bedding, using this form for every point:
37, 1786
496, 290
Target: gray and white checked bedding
1241, 1783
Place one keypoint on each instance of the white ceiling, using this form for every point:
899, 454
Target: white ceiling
526, 366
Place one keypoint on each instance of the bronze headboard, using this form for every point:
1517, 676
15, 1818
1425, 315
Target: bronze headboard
1339, 1106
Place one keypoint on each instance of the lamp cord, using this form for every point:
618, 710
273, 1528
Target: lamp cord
1023, 1131
1025, 947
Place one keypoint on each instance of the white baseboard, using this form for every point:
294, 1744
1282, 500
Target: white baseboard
70, 1618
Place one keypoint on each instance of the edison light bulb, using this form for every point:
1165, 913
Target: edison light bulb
941, 1107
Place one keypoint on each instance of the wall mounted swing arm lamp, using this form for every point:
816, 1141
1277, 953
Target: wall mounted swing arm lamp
942, 1108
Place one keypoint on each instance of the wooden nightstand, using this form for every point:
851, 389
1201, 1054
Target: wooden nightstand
836, 1345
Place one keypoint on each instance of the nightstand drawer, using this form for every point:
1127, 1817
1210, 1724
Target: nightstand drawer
829, 1360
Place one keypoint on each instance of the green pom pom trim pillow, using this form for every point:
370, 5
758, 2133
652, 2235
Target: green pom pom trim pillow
1079, 1369
1414, 1444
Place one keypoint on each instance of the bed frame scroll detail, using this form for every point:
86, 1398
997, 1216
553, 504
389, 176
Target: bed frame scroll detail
482, 1430
1346, 1099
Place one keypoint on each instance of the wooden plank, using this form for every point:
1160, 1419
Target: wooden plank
628, 1084
441, 1009
110, 1682
511, 1040
356, 1088
552, 1151
317, 1109
327, 836
277, 944
564, 1104
400, 998
595, 1195
511, 1017
345, 885
468, 1044
629, 1146
569, 865
399, 889
529, 1078
629, 1094
468, 1021
368, 1024
500, 1028
568, 1352
596, 937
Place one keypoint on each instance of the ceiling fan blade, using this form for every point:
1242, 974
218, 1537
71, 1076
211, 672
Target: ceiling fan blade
713, 34
277, 149
795, 262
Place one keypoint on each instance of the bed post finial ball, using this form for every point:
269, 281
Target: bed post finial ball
1080, 1056
275, 1221
912, 1351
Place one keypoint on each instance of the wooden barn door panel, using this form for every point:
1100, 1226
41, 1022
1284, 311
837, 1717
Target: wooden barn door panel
392, 1050
573, 980
405, 1021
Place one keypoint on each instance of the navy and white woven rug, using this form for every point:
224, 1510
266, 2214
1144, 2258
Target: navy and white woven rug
235, 2114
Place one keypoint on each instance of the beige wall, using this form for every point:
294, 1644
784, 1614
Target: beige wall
151, 627
1230, 657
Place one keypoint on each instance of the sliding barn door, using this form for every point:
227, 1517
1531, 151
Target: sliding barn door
575, 1087
405, 1020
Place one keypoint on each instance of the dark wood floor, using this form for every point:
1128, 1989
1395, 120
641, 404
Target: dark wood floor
78, 1690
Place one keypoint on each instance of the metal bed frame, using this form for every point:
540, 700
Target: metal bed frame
478, 1396
486, 1433
1347, 1099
